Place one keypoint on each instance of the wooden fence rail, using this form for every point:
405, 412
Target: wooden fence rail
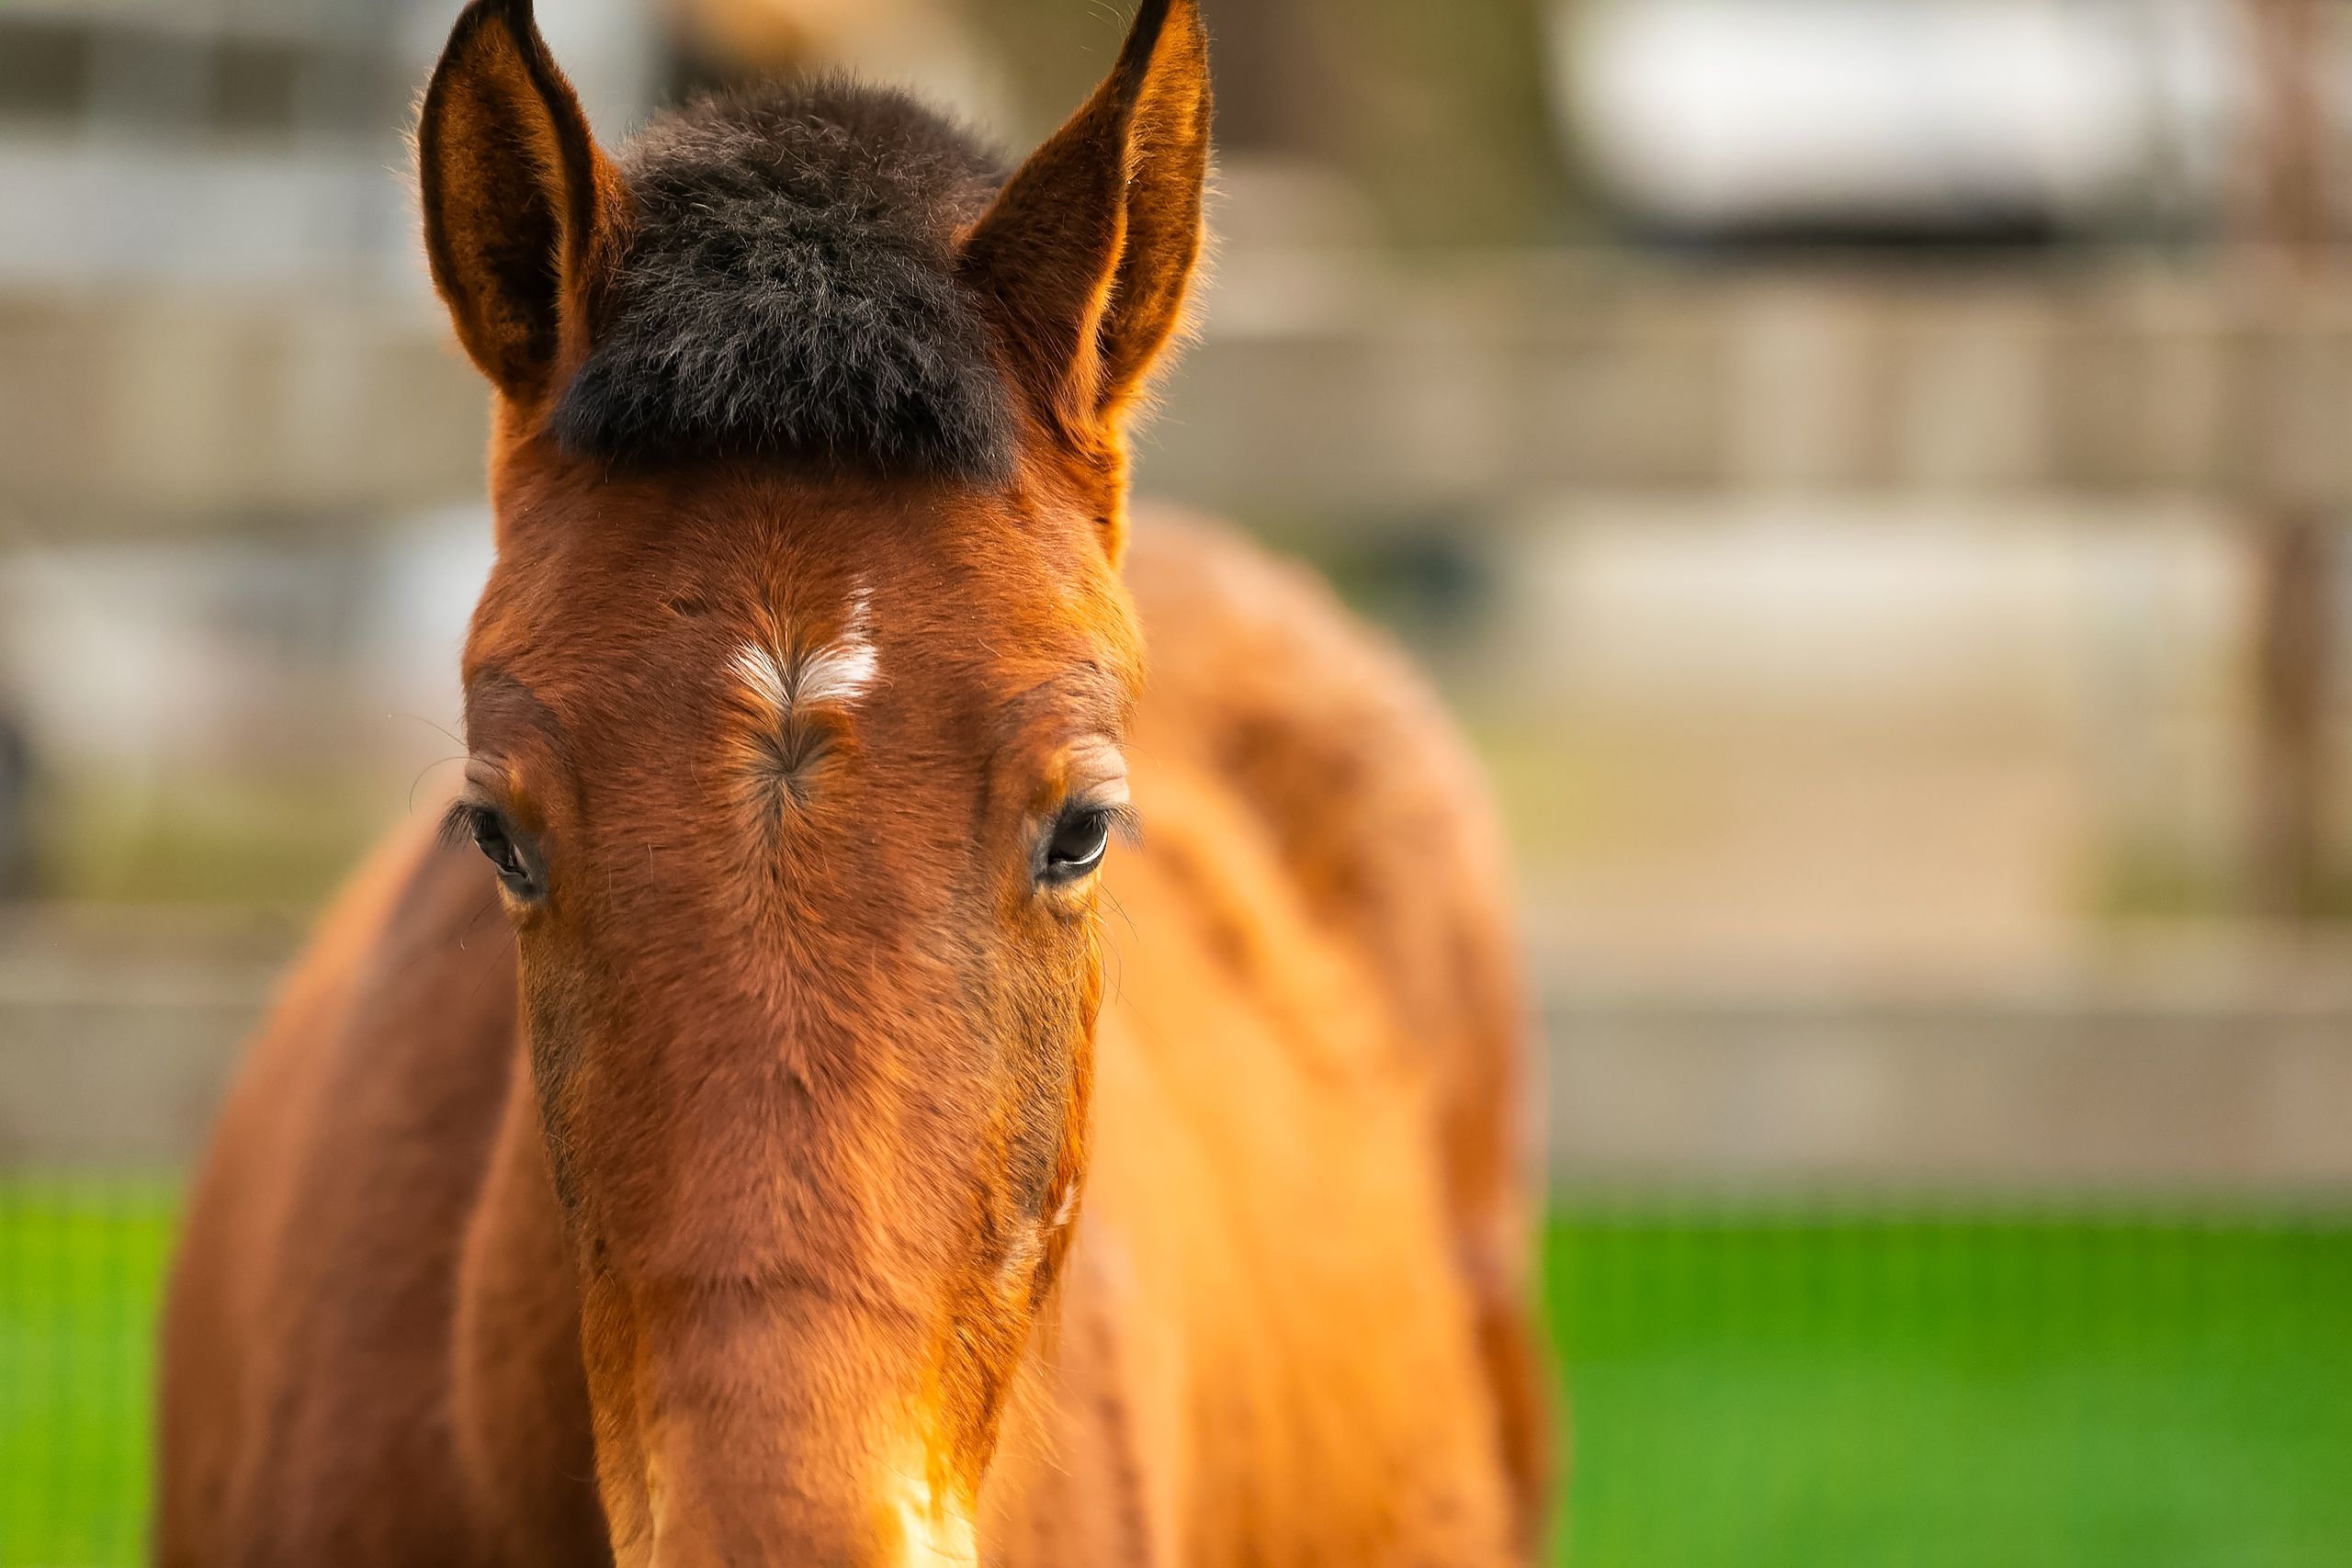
1331, 388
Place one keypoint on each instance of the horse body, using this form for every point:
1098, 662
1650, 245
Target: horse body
1268, 1347
793, 1145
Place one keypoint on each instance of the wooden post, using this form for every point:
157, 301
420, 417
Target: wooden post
2286, 221
2296, 553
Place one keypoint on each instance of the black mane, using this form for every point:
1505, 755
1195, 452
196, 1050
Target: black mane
790, 289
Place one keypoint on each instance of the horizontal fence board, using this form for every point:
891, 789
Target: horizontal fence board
1327, 387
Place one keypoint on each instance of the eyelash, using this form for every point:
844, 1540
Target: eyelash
1122, 819
456, 829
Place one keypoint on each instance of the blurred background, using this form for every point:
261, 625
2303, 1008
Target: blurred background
1867, 473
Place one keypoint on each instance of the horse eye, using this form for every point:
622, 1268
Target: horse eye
498, 847
1078, 844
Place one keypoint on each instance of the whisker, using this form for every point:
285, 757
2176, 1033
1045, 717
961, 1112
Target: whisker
437, 762
431, 724
488, 904
491, 968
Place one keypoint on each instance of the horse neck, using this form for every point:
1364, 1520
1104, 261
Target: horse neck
519, 1396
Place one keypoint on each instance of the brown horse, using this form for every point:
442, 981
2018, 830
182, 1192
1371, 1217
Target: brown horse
854, 1157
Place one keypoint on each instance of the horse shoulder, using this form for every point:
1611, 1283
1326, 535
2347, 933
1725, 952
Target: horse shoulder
1341, 751
1342, 754
1340, 747
305, 1402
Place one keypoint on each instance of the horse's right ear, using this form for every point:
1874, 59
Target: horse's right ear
524, 216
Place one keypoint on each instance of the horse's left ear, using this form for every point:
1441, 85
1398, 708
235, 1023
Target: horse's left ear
1085, 257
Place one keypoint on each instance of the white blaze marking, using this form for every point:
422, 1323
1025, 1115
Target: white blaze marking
758, 670
839, 672
936, 1538
936, 1533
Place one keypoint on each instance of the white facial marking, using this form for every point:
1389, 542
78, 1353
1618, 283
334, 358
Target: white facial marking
1069, 1206
758, 670
837, 672
936, 1534
841, 670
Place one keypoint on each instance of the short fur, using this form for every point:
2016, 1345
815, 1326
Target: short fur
808, 1173
789, 289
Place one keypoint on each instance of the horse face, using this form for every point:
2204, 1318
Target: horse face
795, 705
798, 804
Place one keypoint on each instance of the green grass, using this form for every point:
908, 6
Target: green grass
1760, 1389
1751, 1387
81, 1265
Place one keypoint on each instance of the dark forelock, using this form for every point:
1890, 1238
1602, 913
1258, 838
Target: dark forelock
790, 289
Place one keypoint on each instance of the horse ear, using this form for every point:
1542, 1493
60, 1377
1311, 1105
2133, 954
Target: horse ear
1085, 255
524, 216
